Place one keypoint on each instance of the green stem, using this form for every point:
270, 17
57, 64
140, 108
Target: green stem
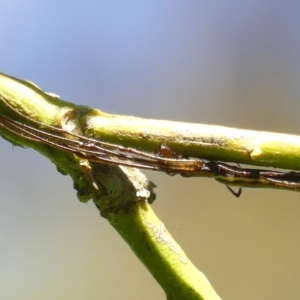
121, 194
163, 257
209, 142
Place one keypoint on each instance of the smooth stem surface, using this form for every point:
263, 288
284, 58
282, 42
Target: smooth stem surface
163, 257
208, 142
117, 194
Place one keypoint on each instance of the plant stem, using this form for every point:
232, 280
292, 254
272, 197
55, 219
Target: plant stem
163, 257
208, 142
122, 194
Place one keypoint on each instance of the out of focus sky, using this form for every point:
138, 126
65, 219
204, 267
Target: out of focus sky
230, 63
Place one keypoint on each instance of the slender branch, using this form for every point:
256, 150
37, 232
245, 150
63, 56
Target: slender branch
209, 142
61, 132
214, 143
162, 256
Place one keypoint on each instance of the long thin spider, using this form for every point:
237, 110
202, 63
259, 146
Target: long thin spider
165, 160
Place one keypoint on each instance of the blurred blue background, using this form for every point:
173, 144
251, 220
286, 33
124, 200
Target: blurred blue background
231, 63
